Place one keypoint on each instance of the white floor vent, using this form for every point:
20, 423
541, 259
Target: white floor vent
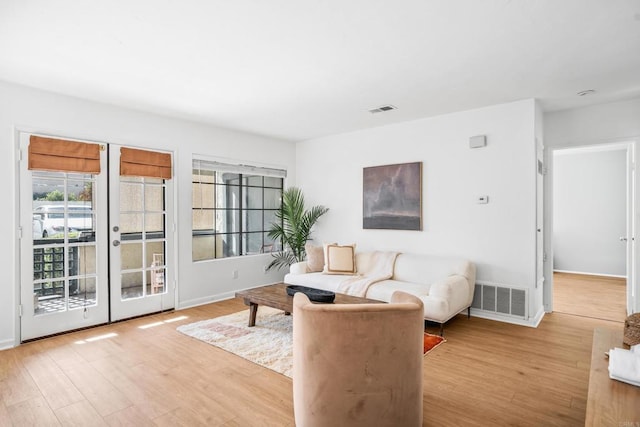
500, 299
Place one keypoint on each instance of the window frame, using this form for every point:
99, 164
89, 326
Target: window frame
225, 181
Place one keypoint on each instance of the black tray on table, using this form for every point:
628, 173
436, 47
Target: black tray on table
316, 295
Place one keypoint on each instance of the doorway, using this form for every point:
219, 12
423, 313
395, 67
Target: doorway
593, 230
94, 246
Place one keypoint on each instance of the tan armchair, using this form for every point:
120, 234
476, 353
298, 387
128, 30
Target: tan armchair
358, 364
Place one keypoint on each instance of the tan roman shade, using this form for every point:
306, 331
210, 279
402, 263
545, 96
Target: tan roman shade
51, 154
151, 164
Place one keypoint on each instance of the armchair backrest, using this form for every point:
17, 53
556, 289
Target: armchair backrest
358, 364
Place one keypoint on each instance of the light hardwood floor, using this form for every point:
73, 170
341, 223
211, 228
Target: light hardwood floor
590, 296
488, 373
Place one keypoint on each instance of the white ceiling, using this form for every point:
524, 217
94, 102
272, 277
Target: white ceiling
299, 69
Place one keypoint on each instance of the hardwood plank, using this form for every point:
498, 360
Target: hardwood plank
5, 420
54, 385
16, 385
79, 414
590, 296
102, 395
128, 417
488, 373
32, 412
131, 382
66, 357
193, 405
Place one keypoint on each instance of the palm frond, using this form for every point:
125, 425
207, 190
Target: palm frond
281, 259
293, 227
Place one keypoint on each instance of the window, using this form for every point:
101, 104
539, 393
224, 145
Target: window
233, 208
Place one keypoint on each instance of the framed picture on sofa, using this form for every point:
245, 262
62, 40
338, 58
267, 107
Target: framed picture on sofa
392, 197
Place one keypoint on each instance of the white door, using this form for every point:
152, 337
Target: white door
629, 238
63, 249
94, 248
141, 243
540, 256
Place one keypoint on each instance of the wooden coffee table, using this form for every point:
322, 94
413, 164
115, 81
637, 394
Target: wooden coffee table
276, 296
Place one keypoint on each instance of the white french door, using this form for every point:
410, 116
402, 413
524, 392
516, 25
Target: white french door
63, 262
141, 246
94, 248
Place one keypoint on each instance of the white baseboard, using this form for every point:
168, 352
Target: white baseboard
590, 274
205, 300
538, 317
213, 298
7, 344
532, 322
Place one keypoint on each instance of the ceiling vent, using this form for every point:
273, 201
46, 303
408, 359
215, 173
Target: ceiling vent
383, 109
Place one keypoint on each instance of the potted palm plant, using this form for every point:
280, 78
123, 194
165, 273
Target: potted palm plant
293, 228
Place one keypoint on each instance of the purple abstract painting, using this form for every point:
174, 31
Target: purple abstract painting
392, 197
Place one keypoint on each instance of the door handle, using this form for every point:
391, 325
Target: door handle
623, 239
116, 243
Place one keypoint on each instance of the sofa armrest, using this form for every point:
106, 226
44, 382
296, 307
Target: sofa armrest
299, 268
455, 290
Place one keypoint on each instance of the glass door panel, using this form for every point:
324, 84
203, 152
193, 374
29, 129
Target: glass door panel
64, 253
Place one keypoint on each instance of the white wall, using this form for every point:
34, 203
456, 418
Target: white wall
499, 236
589, 200
31, 110
592, 125
597, 124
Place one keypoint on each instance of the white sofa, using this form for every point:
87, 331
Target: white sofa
444, 284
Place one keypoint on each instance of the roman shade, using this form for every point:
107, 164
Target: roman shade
213, 166
60, 155
150, 164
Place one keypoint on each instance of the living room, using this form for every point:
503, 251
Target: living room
325, 154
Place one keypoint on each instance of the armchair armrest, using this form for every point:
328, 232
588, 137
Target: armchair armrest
298, 268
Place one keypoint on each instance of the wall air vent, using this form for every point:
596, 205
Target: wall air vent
500, 299
383, 108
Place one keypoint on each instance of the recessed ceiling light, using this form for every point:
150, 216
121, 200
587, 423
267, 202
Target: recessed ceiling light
586, 92
383, 108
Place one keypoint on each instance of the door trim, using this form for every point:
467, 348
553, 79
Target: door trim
633, 222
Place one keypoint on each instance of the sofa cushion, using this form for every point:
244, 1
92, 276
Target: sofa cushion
340, 259
315, 257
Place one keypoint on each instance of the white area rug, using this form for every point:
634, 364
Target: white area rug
268, 344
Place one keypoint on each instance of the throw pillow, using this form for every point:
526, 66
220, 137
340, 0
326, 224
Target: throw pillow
315, 258
340, 259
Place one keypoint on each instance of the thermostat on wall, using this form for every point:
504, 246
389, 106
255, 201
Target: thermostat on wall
482, 200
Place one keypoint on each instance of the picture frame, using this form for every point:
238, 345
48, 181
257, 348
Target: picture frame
392, 197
